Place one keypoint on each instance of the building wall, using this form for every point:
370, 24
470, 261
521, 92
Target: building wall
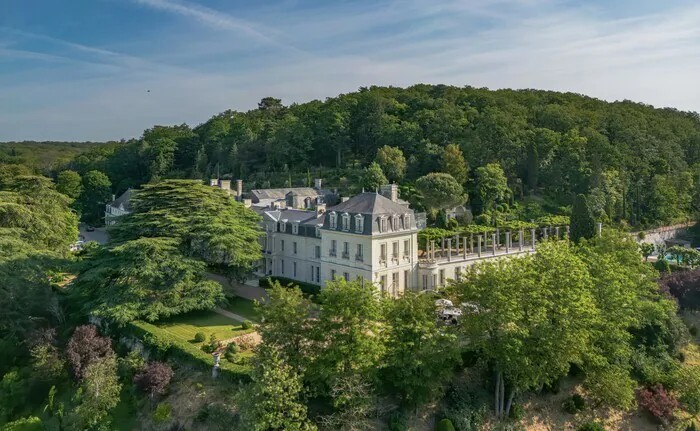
112, 212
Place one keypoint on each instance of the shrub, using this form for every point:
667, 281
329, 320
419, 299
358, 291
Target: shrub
574, 404
445, 425
591, 426
691, 427
517, 411
230, 356
658, 402
247, 324
154, 378
245, 342
662, 266
199, 386
31, 423
693, 330
212, 345
162, 414
688, 388
464, 408
232, 348
642, 235
306, 288
199, 337
398, 422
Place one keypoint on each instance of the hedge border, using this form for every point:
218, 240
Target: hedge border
306, 288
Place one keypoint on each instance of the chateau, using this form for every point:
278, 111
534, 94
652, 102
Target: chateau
372, 236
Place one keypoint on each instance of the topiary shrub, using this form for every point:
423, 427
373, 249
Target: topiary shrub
660, 403
247, 324
591, 426
232, 348
574, 404
199, 337
445, 425
662, 265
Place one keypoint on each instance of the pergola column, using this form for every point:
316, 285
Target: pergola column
471, 243
478, 247
493, 244
507, 242
545, 231
520, 240
464, 246
568, 232
556, 231
449, 249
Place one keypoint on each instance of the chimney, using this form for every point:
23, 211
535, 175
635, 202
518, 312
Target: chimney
317, 183
214, 182
390, 191
239, 189
114, 198
247, 202
320, 209
345, 199
225, 184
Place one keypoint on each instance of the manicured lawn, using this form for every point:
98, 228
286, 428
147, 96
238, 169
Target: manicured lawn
187, 325
242, 307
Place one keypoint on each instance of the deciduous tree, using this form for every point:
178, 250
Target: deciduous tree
69, 183
454, 164
373, 177
440, 191
392, 162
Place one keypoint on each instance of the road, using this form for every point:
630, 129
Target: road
99, 235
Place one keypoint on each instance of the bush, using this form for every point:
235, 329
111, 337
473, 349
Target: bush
232, 348
162, 414
445, 425
574, 404
591, 426
230, 356
31, 423
693, 330
212, 345
306, 288
688, 388
658, 402
642, 235
517, 411
247, 324
464, 408
398, 422
662, 266
199, 337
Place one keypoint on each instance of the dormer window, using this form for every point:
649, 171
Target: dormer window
346, 221
333, 220
394, 222
295, 228
382, 224
407, 221
283, 226
318, 232
359, 223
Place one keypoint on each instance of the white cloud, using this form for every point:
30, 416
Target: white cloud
499, 43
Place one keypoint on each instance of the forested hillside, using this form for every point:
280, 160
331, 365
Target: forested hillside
637, 163
44, 157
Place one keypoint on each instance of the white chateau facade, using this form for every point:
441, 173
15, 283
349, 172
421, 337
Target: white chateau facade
118, 207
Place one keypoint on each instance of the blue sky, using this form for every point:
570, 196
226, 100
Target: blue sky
81, 69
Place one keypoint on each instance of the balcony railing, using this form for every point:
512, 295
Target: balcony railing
359, 258
332, 253
346, 255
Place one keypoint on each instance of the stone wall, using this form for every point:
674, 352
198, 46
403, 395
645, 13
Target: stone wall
664, 233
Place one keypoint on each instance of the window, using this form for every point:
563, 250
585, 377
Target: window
283, 226
394, 282
294, 247
282, 245
318, 232
407, 248
318, 274
333, 220
346, 221
395, 223
382, 283
294, 269
346, 276
318, 252
334, 245
425, 281
382, 224
295, 228
395, 250
382, 253
442, 277
407, 221
360, 254
406, 278
281, 266
346, 250
332, 274
359, 223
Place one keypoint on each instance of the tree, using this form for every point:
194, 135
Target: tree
688, 388
85, 347
420, 356
146, 278
646, 249
215, 229
97, 191
515, 329
154, 378
582, 220
69, 183
273, 400
491, 185
373, 177
453, 163
284, 322
347, 335
440, 191
98, 393
392, 162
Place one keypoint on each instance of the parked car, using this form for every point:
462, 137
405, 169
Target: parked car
90, 229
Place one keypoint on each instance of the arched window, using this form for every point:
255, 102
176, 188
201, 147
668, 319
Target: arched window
346, 221
333, 220
359, 223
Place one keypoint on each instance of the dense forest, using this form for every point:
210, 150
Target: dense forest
637, 164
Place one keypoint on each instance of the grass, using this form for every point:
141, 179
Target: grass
187, 325
242, 307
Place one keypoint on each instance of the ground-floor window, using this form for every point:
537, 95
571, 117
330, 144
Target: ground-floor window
294, 269
425, 281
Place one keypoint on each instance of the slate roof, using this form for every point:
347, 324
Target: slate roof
282, 193
371, 208
123, 201
370, 203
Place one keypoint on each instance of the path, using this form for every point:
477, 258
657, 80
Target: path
243, 290
230, 315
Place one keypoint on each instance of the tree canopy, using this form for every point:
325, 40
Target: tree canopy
392, 162
440, 191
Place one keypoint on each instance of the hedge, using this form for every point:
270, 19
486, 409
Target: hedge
170, 347
306, 288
